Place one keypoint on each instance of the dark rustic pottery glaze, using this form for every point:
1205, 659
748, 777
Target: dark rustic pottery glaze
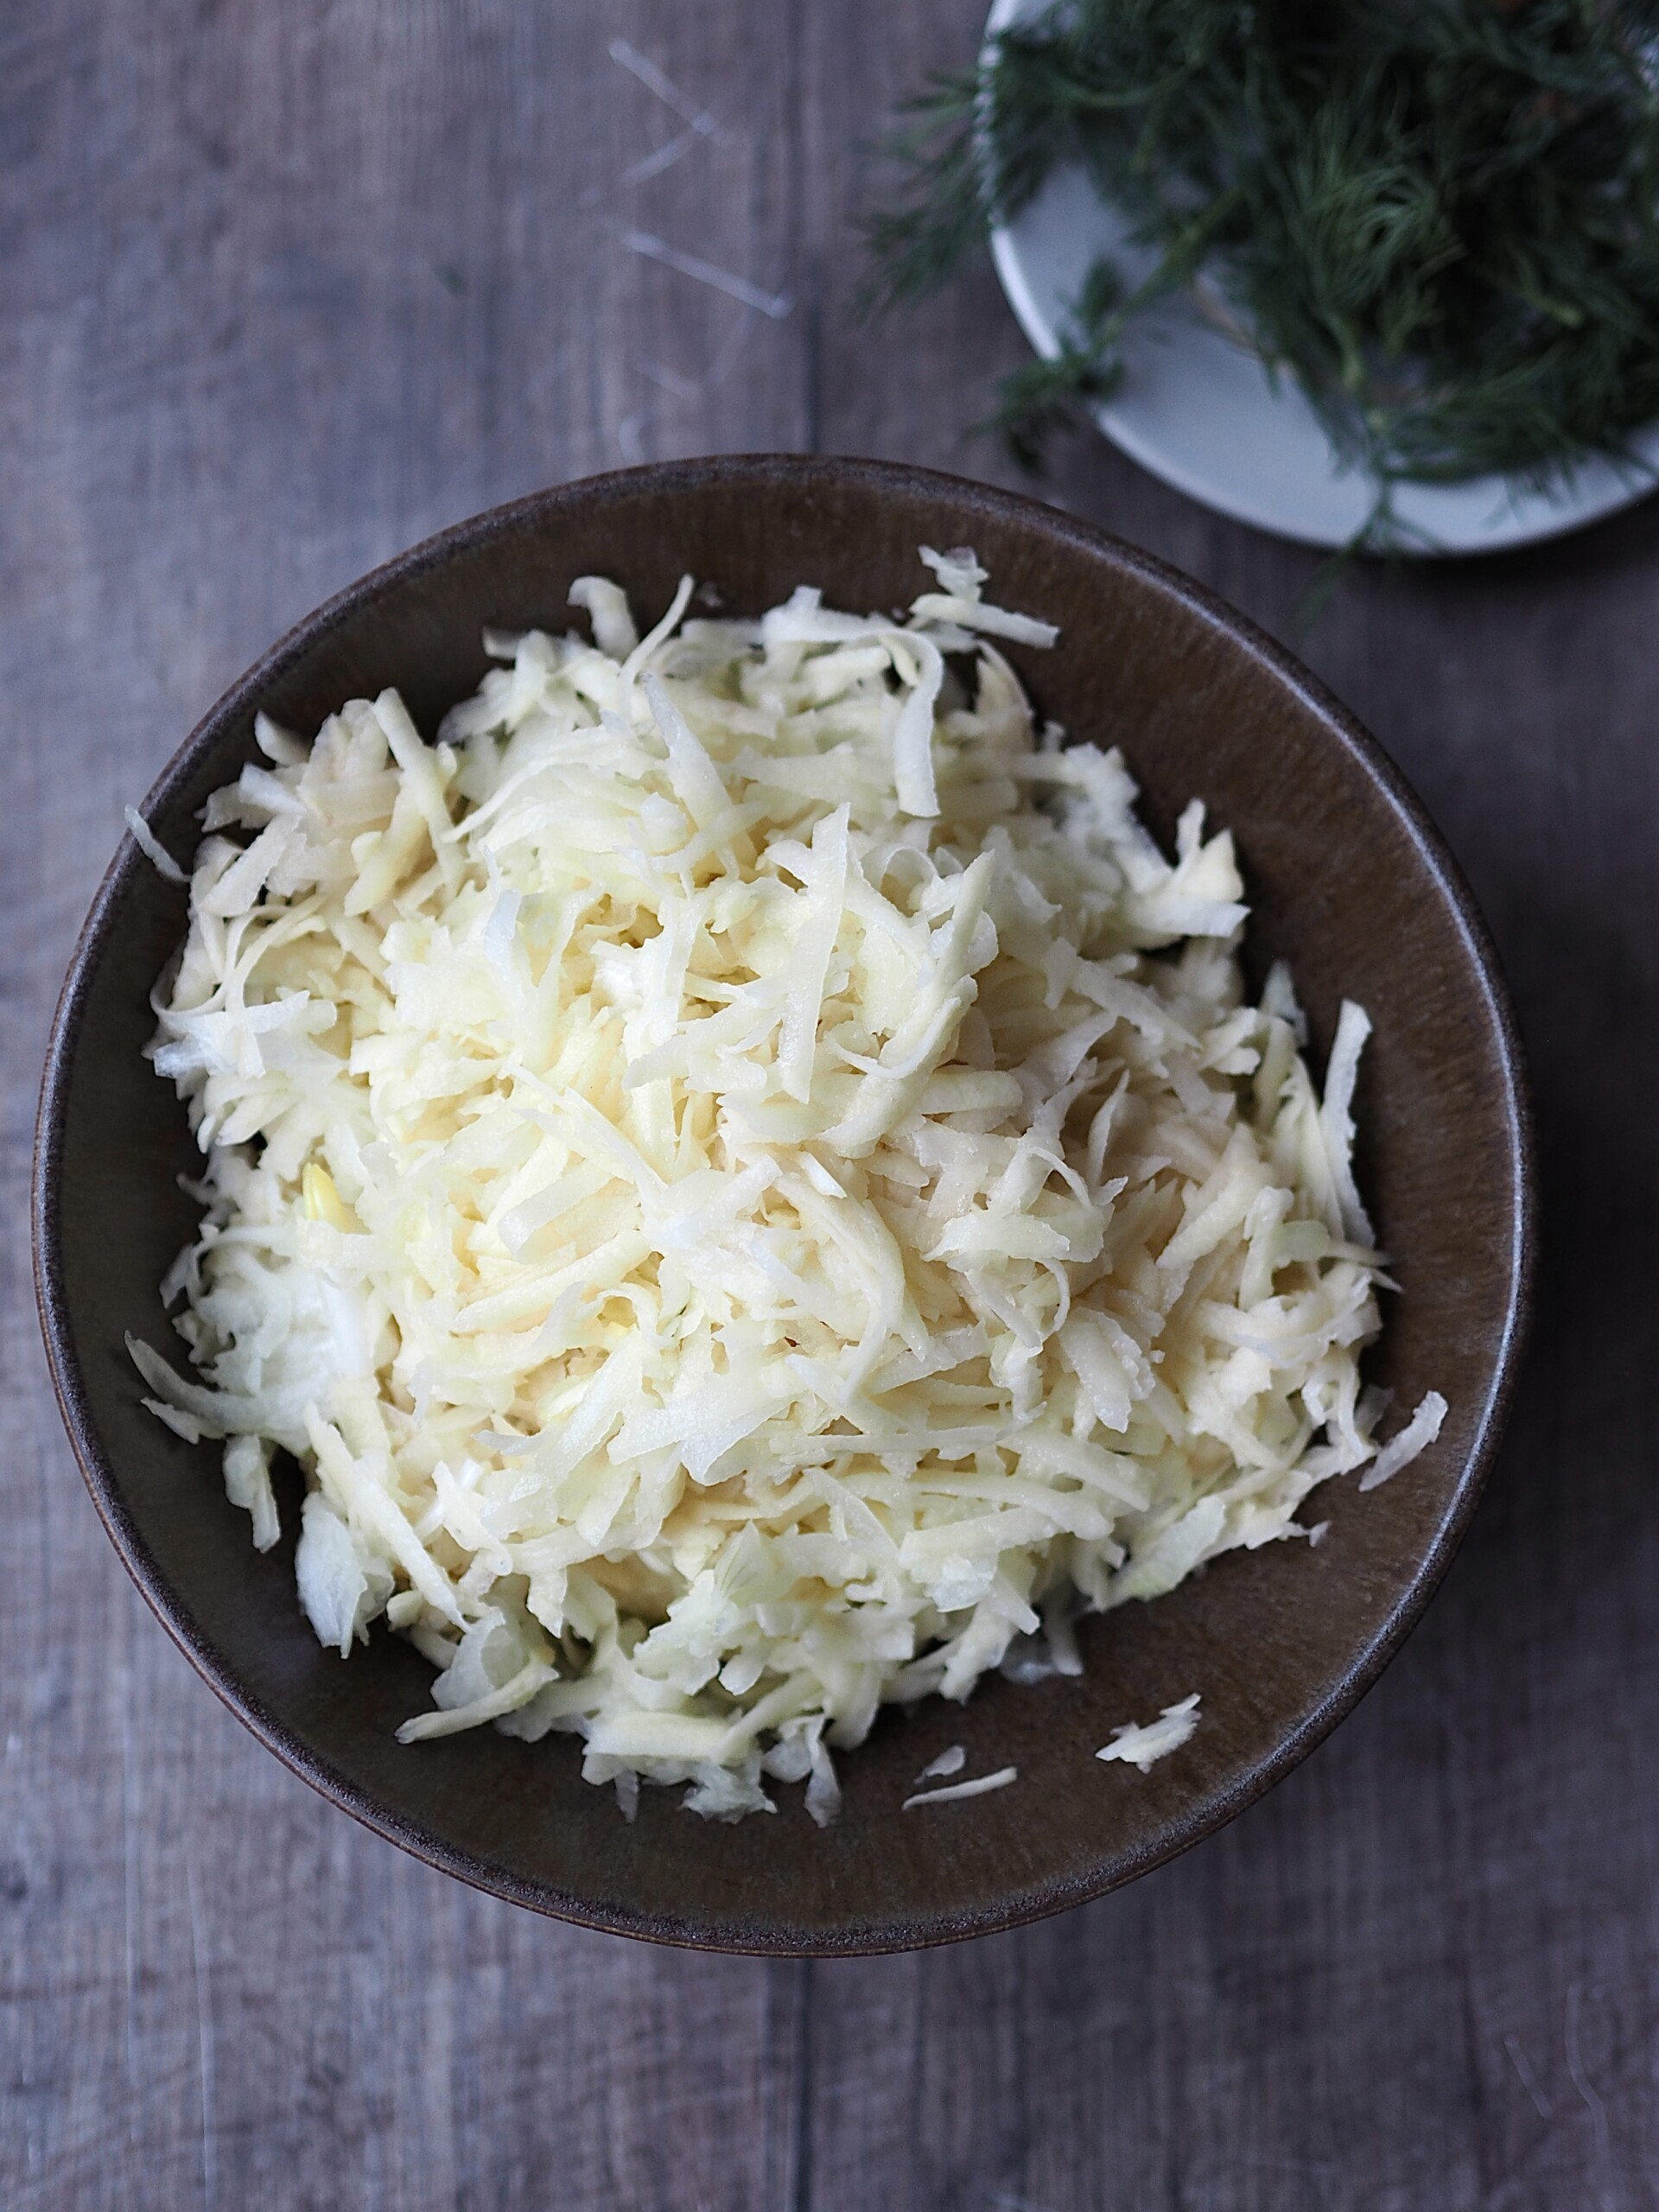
1347, 878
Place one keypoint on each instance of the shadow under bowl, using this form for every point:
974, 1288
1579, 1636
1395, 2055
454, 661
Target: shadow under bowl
1347, 879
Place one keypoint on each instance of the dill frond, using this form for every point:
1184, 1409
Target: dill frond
1440, 219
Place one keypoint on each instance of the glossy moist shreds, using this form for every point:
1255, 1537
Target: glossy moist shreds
749, 1184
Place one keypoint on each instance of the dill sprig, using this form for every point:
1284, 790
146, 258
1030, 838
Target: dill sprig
1438, 217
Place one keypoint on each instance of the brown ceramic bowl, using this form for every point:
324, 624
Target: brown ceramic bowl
1348, 878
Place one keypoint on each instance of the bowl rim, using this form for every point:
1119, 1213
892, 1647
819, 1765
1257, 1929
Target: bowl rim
1110, 1872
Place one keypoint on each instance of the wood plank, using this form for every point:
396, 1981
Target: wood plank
286, 289
1425, 1971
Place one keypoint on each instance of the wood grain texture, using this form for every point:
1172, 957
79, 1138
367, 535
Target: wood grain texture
283, 287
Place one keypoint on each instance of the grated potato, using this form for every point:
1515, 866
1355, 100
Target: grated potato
749, 1185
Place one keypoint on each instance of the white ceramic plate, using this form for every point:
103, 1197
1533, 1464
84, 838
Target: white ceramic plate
1196, 408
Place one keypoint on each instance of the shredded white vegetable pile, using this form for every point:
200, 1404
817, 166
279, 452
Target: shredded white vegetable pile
749, 1185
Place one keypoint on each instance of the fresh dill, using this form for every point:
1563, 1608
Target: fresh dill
1440, 218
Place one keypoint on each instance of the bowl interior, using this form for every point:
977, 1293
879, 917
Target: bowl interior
1346, 879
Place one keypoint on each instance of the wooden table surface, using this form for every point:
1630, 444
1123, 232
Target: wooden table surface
287, 284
